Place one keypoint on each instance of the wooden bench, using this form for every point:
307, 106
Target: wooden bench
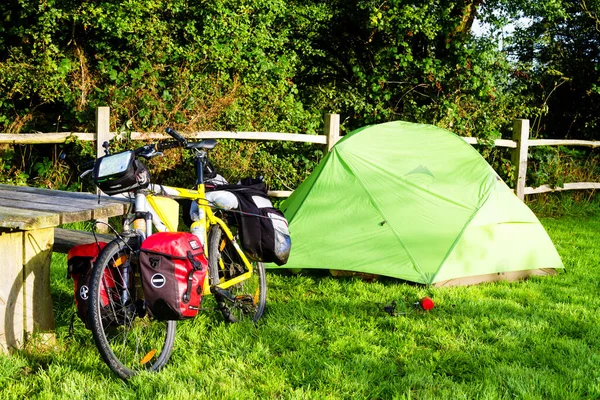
28, 219
65, 239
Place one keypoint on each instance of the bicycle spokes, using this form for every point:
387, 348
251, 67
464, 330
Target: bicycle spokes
245, 293
127, 338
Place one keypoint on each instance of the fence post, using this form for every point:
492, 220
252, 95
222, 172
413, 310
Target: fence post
102, 129
332, 129
102, 135
519, 155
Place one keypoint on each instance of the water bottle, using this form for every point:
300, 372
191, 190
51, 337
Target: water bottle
199, 226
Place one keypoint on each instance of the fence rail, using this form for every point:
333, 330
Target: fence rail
44, 138
331, 134
566, 186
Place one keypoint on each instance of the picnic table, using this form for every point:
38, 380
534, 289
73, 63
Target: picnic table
28, 217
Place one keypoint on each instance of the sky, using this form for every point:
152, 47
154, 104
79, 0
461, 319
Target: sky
480, 28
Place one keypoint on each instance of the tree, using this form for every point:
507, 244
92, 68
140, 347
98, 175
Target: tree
413, 60
557, 55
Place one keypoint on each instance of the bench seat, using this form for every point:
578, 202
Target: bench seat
65, 239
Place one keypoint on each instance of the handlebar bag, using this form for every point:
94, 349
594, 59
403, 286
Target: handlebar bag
173, 268
80, 260
263, 229
120, 173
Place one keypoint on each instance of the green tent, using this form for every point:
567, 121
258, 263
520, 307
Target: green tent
414, 202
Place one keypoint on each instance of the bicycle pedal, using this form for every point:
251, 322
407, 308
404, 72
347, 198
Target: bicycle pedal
244, 297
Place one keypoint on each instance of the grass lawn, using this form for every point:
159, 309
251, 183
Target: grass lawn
325, 337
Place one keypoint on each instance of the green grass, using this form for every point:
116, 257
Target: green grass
325, 337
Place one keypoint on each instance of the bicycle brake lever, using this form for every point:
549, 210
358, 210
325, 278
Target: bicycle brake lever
151, 153
85, 173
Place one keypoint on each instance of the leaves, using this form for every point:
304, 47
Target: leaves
258, 65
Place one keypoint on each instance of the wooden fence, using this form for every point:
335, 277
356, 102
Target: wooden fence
519, 144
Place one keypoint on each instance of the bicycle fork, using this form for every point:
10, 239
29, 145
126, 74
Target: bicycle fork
142, 228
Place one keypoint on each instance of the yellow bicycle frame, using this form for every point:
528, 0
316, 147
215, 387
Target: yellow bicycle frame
209, 220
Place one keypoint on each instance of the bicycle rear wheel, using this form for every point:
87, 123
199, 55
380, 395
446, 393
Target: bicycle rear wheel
128, 339
247, 299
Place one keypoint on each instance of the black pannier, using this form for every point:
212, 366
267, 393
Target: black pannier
263, 229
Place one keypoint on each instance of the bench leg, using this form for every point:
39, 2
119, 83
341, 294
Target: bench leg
25, 301
37, 254
11, 291
101, 226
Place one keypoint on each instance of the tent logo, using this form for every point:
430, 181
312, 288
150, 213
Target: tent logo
421, 169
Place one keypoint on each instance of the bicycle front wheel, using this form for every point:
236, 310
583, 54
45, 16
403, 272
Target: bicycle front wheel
128, 339
245, 300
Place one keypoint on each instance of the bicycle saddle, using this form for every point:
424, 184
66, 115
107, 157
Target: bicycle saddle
206, 144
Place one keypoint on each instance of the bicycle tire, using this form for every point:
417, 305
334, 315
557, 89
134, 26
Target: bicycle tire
129, 340
250, 296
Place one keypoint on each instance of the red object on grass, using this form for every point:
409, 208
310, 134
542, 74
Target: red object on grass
426, 303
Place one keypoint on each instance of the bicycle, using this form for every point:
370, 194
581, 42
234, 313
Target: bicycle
125, 333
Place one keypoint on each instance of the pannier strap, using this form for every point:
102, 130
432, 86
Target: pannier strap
197, 265
186, 257
190, 279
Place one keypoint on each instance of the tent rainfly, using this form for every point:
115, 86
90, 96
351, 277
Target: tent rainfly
414, 202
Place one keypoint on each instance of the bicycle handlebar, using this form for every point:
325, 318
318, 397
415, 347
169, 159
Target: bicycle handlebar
151, 150
176, 136
167, 145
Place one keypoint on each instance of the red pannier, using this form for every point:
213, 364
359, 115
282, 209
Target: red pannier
80, 260
173, 268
